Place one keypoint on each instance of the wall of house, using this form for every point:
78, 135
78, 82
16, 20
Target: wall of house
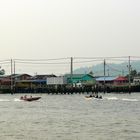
56, 81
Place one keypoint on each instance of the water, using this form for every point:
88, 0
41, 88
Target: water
70, 117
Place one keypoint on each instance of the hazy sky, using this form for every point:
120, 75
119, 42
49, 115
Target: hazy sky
64, 28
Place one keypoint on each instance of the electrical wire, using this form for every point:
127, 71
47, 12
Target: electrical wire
41, 59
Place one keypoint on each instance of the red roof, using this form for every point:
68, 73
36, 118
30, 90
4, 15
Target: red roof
121, 78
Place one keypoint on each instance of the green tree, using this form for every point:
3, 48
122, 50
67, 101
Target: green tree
138, 74
133, 73
2, 71
91, 73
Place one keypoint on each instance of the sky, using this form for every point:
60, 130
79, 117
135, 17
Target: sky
48, 29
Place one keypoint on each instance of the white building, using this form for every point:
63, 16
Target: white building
56, 80
136, 80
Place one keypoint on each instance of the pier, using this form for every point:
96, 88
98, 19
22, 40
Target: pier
72, 90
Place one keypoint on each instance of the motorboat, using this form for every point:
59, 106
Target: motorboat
88, 96
29, 98
93, 96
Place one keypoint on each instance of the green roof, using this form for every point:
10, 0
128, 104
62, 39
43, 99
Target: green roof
77, 75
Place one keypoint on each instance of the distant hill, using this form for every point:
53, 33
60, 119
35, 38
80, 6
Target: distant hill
112, 69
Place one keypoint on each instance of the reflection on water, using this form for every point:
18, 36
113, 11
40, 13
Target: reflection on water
70, 117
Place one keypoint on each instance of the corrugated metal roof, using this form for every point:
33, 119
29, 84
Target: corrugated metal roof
121, 78
33, 81
77, 75
74, 75
42, 77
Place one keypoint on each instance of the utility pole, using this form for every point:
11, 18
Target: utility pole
14, 79
122, 72
104, 74
129, 69
108, 71
11, 76
14, 67
71, 70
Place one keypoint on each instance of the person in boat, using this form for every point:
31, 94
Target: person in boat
100, 97
90, 95
25, 96
96, 96
21, 97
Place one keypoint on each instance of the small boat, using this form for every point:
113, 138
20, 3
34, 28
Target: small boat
29, 98
93, 96
88, 96
100, 97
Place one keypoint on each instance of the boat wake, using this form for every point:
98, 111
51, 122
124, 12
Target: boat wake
123, 99
7, 100
112, 98
17, 100
88, 98
4, 100
132, 100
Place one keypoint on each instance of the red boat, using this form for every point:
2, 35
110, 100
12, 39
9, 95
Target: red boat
29, 98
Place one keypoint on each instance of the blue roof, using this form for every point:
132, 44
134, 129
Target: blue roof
105, 78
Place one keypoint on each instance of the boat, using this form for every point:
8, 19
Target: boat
88, 96
100, 97
93, 96
29, 98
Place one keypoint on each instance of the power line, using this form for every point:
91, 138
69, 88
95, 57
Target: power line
86, 61
35, 63
42, 59
100, 57
6, 60
4, 63
114, 68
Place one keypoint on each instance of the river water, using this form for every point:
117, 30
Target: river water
70, 117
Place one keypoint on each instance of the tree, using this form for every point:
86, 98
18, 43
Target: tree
2, 71
91, 73
138, 74
133, 73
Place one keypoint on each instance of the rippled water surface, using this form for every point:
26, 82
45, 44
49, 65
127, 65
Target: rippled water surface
70, 117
